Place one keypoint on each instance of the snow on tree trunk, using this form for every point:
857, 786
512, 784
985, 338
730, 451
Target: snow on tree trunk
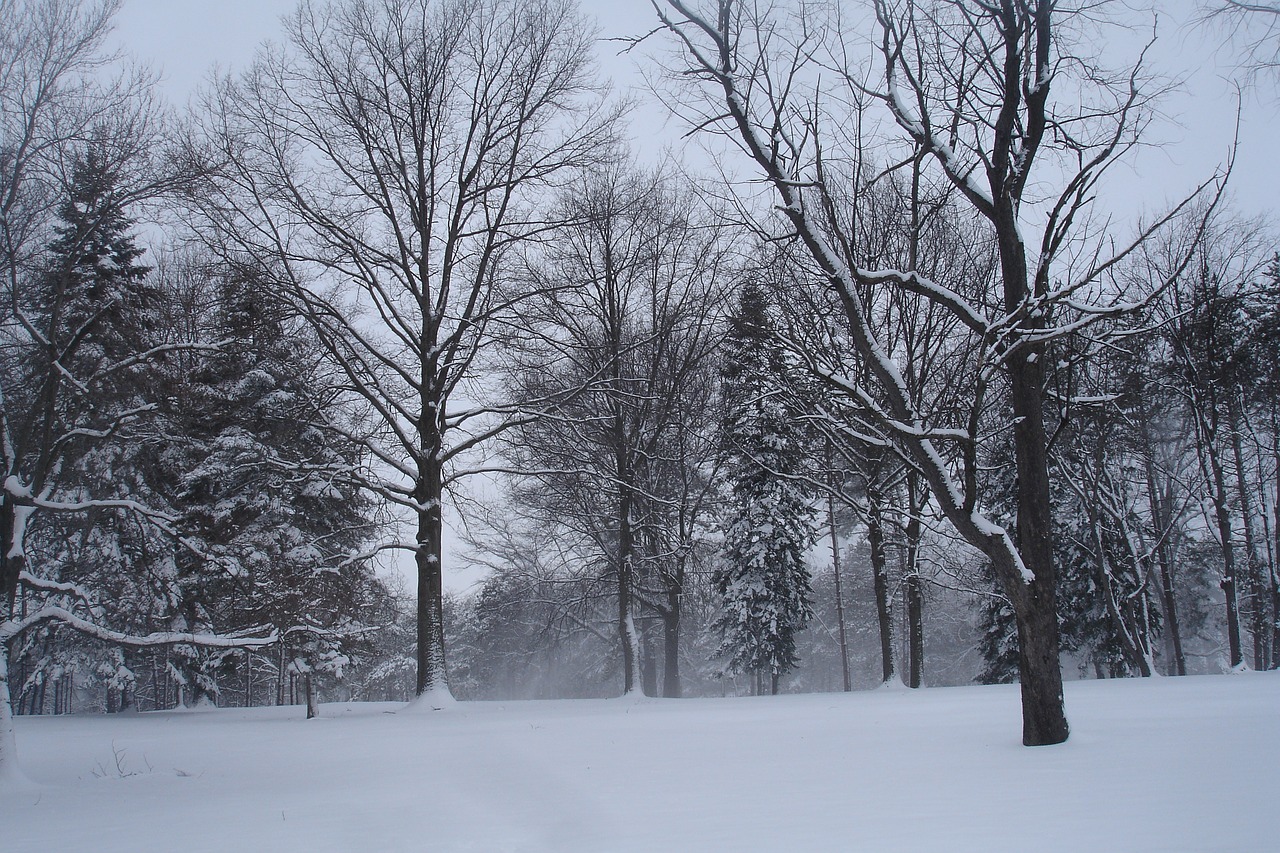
313, 708
626, 626
10, 774
432, 675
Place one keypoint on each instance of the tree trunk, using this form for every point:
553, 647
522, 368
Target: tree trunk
1257, 595
1044, 720
1275, 558
648, 661
914, 588
880, 574
1223, 518
8, 741
280, 678
313, 709
1162, 524
627, 634
671, 686
432, 676
835, 569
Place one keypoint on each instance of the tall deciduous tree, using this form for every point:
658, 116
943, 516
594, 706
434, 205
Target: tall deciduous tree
384, 162
968, 86
628, 318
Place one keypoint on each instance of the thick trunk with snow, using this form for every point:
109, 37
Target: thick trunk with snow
1035, 600
432, 675
627, 634
8, 742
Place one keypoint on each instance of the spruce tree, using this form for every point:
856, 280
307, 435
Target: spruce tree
264, 494
96, 298
763, 581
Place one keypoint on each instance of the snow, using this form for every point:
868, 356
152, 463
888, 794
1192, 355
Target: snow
1156, 764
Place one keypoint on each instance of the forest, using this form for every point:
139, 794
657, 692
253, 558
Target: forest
869, 387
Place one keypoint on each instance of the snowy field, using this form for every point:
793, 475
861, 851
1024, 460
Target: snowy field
1167, 764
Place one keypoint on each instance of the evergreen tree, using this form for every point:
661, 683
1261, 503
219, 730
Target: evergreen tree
75, 378
763, 583
264, 495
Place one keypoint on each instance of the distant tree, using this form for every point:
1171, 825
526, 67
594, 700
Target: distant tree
627, 317
764, 582
1207, 367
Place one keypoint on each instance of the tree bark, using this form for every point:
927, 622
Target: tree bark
880, 575
914, 587
1275, 555
671, 686
1040, 675
648, 661
432, 676
1253, 565
626, 619
1162, 522
8, 741
846, 681
313, 709
1044, 720
1222, 515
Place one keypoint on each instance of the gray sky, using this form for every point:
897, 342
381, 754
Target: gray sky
185, 39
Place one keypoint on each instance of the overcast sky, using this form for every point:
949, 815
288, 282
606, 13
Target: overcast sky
185, 39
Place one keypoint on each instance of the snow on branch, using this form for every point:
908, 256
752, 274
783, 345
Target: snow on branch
53, 613
57, 587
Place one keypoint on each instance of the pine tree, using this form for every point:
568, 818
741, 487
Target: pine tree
265, 495
764, 582
96, 297
74, 391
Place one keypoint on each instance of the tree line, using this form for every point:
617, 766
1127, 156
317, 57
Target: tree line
408, 249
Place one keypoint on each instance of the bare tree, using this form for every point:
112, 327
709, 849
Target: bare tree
1254, 29
385, 163
967, 84
1206, 332
628, 320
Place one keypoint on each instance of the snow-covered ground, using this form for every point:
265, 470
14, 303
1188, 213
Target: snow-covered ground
1166, 764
